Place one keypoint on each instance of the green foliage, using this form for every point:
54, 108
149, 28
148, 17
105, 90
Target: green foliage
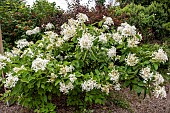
83, 63
16, 18
150, 20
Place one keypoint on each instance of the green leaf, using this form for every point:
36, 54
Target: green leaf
42, 86
100, 23
146, 62
126, 83
155, 66
137, 88
57, 82
45, 98
97, 72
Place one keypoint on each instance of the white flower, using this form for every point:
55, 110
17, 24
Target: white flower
158, 79
117, 37
4, 58
52, 77
117, 87
82, 18
146, 74
108, 21
36, 30
27, 52
114, 75
127, 30
49, 46
52, 36
73, 22
16, 69
39, 64
68, 31
59, 42
89, 85
105, 89
65, 69
133, 42
111, 52
160, 55
8, 54
40, 45
49, 26
160, 91
103, 38
29, 32
2, 65
10, 80
86, 41
106, 26
72, 78
22, 43
16, 51
139, 36
131, 59
65, 88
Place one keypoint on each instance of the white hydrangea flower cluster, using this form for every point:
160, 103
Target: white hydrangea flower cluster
16, 51
86, 41
2, 61
160, 56
8, 54
39, 64
52, 36
66, 69
73, 22
68, 31
146, 74
27, 52
117, 37
52, 77
65, 88
117, 87
106, 89
108, 21
114, 75
133, 42
160, 92
22, 43
158, 79
126, 30
17, 69
72, 78
111, 52
90, 85
59, 42
103, 38
82, 18
34, 31
131, 59
2, 65
10, 80
49, 26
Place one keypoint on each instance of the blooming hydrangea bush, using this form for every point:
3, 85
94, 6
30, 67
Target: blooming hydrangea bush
83, 62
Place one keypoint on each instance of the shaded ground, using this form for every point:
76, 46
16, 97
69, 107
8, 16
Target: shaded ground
128, 100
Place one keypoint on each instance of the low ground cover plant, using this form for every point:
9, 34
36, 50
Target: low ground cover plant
83, 62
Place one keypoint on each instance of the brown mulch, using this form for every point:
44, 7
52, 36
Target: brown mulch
137, 105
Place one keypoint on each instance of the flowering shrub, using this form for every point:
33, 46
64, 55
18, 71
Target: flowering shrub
83, 62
